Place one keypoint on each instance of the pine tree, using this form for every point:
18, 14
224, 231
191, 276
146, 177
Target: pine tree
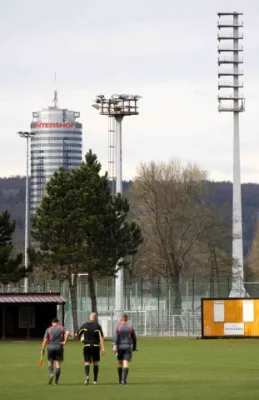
81, 228
11, 269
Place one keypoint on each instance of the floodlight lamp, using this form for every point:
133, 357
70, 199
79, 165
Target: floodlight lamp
25, 134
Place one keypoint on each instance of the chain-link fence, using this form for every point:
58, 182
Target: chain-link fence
155, 307
146, 322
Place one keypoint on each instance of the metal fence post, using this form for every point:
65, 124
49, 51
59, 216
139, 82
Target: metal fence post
136, 296
193, 289
125, 289
141, 294
169, 308
108, 295
86, 296
188, 323
158, 305
187, 301
187, 293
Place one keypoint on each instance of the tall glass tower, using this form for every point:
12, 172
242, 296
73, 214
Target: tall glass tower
57, 143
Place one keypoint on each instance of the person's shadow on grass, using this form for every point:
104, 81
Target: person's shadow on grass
116, 384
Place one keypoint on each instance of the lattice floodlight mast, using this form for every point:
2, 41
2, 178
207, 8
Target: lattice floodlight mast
231, 100
27, 136
118, 106
112, 153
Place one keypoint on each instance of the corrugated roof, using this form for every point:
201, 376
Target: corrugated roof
31, 298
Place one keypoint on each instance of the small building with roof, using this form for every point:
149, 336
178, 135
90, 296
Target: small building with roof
27, 315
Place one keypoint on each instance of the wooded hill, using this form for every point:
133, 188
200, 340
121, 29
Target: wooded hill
12, 198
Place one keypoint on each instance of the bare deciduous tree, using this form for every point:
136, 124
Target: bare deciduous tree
170, 208
253, 257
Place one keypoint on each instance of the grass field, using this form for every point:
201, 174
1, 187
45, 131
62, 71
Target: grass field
162, 369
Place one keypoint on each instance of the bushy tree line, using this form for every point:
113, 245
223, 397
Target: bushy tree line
163, 226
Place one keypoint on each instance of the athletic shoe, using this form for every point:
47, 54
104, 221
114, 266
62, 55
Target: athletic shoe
95, 383
51, 379
87, 380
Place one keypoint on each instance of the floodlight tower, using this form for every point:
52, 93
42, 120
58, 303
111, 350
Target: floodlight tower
118, 106
112, 153
233, 102
27, 136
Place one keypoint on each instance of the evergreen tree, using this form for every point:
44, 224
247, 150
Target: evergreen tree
81, 228
11, 269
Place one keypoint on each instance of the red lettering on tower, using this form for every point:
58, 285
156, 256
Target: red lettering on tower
40, 125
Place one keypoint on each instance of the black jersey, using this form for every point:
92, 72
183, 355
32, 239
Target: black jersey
92, 332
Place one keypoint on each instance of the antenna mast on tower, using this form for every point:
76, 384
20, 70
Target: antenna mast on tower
55, 99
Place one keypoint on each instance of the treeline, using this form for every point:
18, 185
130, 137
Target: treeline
12, 198
172, 223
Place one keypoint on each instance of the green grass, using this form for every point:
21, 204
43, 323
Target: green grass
162, 369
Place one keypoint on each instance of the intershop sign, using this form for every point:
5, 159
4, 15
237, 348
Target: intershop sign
54, 125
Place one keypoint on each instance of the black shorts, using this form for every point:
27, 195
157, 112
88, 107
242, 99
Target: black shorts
124, 354
91, 353
56, 354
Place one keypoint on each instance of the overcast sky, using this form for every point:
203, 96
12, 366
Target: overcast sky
163, 50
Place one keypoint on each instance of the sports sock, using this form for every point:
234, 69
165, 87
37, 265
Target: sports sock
96, 370
87, 370
50, 368
125, 374
120, 373
57, 375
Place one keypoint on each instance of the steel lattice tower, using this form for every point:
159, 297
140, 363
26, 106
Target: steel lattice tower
116, 108
231, 100
112, 153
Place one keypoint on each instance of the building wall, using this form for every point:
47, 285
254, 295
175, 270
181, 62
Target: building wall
57, 143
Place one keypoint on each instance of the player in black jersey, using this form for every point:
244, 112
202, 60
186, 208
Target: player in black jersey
91, 334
